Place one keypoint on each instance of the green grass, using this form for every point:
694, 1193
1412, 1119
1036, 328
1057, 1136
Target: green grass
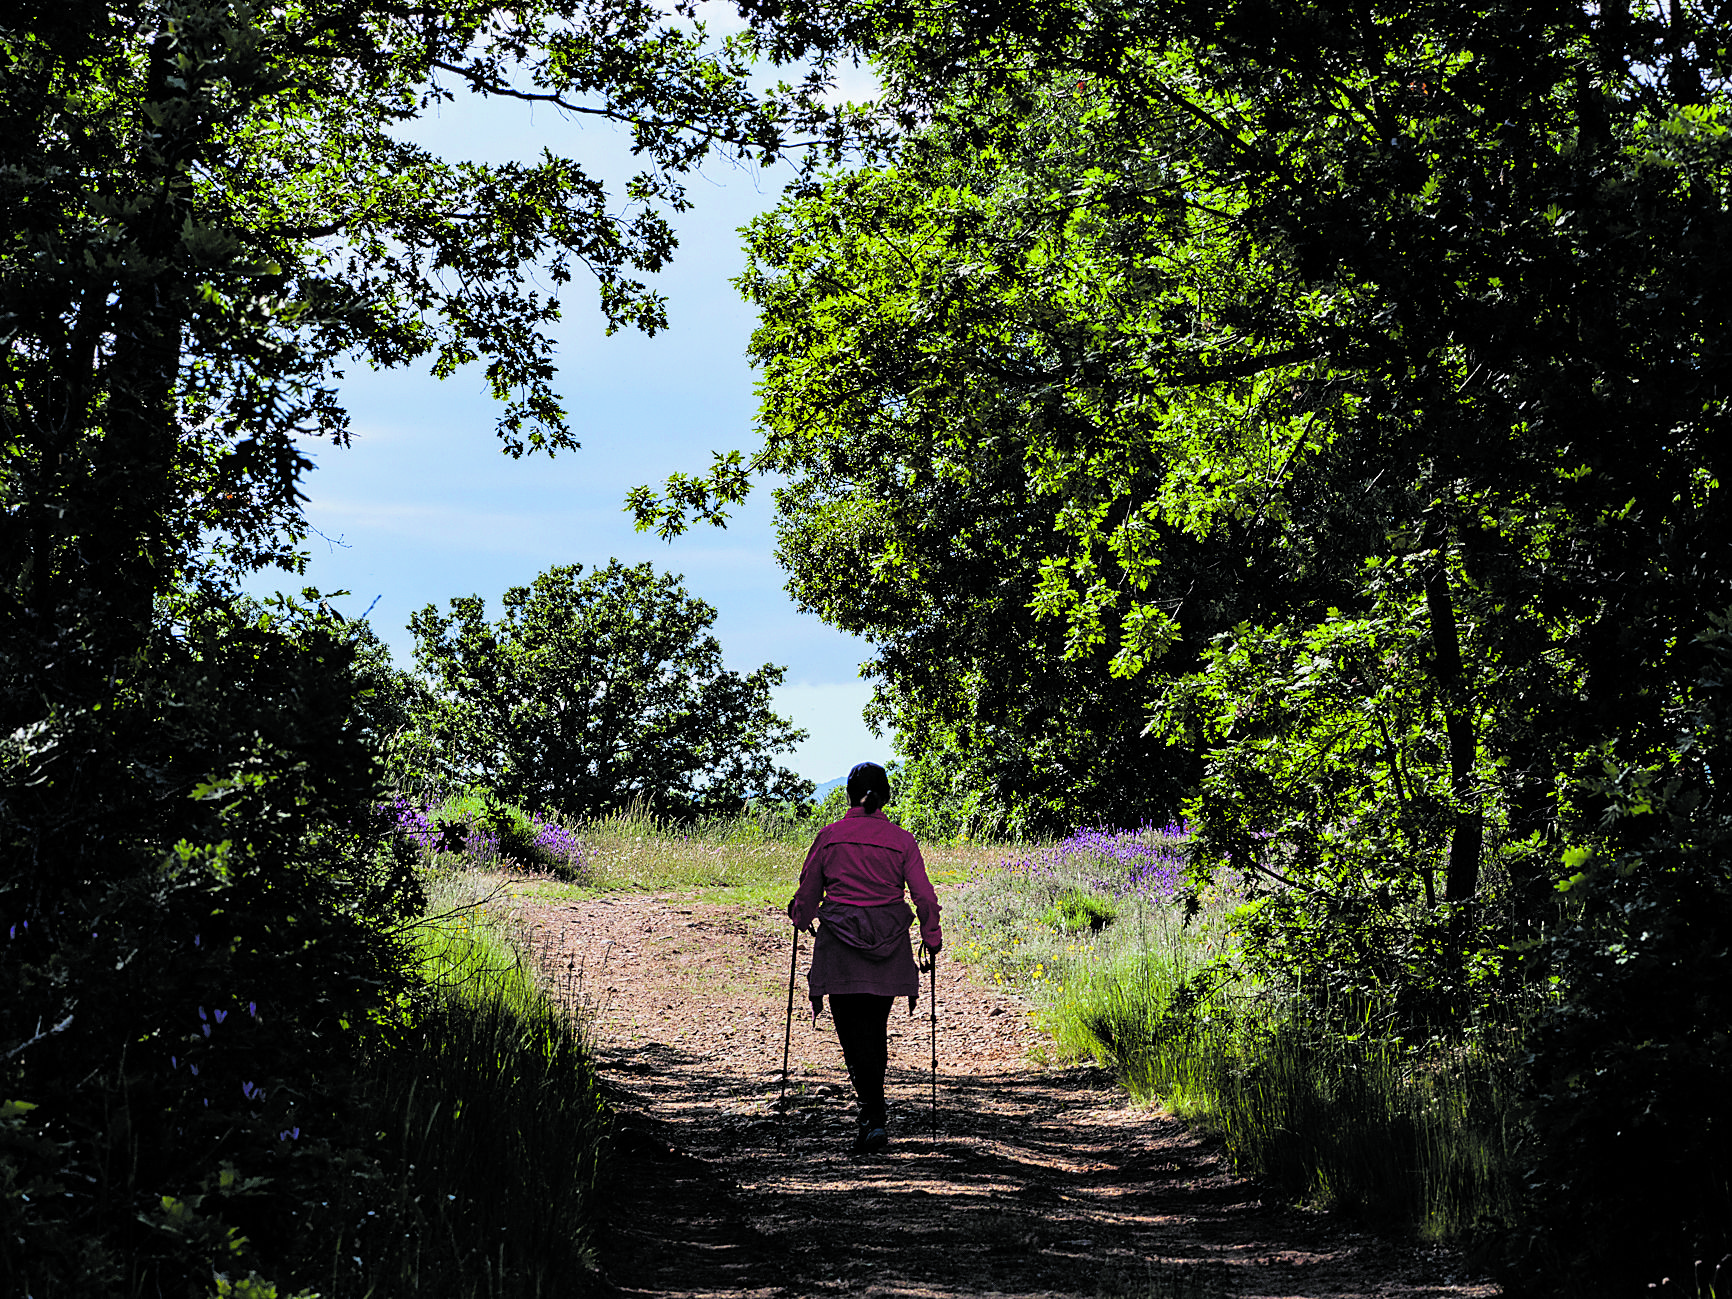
745, 857
1335, 1115
750, 861
1077, 909
1303, 1095
492, 1124
1036, 932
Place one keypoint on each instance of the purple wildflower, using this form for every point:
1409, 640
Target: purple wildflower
557, 841
1145, 862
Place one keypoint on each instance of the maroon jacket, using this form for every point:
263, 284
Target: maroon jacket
864, 860
856, 870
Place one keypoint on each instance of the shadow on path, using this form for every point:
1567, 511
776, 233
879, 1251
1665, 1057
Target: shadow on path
1039, 1182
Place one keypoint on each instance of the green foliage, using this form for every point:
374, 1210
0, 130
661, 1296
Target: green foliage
394, 703
203, 931
1075, 910
833, 808
938, 799
210, 210
1399, 1137
478, 831
749, 855
593, 693
1351, 384
929, 798
1327, 763
1328, 793
1180, 323
1628, 1164
1307, 1092
492, 1128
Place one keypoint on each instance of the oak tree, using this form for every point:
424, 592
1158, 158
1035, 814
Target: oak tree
210, 212
595, 692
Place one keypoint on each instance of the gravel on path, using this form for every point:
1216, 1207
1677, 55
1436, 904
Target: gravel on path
1041, 1181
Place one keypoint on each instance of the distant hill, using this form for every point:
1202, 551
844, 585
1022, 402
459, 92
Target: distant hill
819, 793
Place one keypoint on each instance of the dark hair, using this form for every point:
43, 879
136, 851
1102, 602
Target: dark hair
868, 787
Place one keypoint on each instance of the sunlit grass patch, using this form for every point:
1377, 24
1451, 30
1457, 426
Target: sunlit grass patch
1030, 917
491, 1119
1075, 910
472, 831
959, 862
1305, 1094
636, 850
750, 860
1396, 1134
465, 943
542, 889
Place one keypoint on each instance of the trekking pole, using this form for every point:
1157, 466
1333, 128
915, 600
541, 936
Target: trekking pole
788, 1029
932, 965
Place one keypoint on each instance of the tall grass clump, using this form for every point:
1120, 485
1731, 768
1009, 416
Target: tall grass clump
1043, 916
755, 852
1313, 1096
636, 849
492, 1124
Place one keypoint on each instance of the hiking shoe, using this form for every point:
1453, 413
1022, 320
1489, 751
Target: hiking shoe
871, 1140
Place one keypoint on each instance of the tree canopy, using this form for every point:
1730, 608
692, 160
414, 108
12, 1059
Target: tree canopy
595, 692
210, 212
1284, 289
1336, 396
1314, 415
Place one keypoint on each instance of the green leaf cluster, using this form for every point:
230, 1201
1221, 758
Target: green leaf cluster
1315, 416
597, 692
203, 912
211, 209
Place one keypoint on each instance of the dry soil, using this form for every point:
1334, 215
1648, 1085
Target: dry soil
1025, 1180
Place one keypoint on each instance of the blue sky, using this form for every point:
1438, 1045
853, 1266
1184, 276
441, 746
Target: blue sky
424, 506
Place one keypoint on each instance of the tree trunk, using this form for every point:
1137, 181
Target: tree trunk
129, 536
1461, 878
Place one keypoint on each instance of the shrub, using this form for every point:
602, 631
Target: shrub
1307, 1092
1627, 1160
202, 936
1629, 1165
1074, 910
480, 831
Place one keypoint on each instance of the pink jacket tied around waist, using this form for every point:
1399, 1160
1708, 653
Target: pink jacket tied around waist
852, 883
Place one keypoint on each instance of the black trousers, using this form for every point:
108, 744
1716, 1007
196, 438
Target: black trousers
862, 1022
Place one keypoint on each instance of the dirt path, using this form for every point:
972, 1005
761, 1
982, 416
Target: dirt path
1041, 1181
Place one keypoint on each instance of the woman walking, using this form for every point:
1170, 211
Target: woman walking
853, 882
